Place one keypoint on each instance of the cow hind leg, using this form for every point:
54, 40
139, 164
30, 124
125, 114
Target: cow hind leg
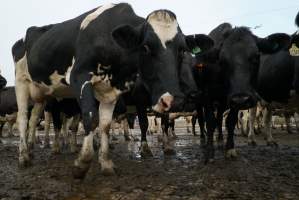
35, 113
268, 131
48, 117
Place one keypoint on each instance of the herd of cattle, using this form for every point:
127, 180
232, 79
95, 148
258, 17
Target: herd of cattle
110, 63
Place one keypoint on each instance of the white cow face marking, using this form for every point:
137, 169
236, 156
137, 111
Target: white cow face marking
92, 16
165, 26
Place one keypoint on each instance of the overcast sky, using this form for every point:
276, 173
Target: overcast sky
194, 16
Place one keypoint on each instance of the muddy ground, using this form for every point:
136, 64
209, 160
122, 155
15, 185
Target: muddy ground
260, 172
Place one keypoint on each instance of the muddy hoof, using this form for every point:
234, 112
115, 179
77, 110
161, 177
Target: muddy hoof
220, 145
114, 138
46, 145
252, 143
24, 163
145, 151
174, 137
111, 146
231, 154
272, 144
78, 172
202, 143
169, 152
195, 135
108, 168
74, 149
127, 138
160, 138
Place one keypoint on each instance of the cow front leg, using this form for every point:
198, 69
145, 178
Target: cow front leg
251, 134
231, 121
125, 127
145, 150
211, 125
219, 120
74, 129
105, 114
168, 142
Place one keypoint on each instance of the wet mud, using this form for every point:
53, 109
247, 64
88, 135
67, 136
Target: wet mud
260, 172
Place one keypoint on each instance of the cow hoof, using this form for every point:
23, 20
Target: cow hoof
252, 143
202, 143
78, 172
24, 162
107, 168
114, 138
160, 138
73, 149
127, 138
174, 137
220, 145
169, 151
231, 154
47, 145
145, 151
272, 143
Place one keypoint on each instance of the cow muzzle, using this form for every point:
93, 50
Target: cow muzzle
164, 103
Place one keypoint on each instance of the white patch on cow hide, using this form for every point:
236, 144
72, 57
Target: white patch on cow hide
165, 26
92, 16
68, 72
104, 92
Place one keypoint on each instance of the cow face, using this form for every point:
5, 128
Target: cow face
240, 59
159, 43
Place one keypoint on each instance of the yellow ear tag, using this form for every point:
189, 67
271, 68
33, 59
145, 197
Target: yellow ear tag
294, 50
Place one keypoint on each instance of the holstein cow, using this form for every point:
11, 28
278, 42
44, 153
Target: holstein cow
227, 74
60, 111
8, 107
278, 83
94, 57
140, 97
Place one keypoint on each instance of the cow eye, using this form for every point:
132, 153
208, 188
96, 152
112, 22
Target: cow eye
146, 49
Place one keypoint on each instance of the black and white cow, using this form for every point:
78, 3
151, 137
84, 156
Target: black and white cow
8, 107
226, 76
278, 83
95, 57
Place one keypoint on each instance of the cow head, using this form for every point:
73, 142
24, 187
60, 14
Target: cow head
159, 44
239, 57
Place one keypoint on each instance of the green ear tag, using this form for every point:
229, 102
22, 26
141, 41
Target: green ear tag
196, 50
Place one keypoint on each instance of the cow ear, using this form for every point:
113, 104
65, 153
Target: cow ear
273, 43
204, 42
126, 36
198, 43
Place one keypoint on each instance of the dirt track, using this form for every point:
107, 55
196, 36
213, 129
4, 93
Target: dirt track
258, 173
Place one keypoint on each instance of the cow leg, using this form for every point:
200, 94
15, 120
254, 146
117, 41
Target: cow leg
219, 120
74, 129
296, 117
268, 121
145, 151
193, 121
172, 124
64, 131
10, 128
287, 117
125, 127
203, 133
22, 94
1, 128
211, 125
251, 134
168, 142
48, 117
105, 113
231, 121
57, 143
35, 113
